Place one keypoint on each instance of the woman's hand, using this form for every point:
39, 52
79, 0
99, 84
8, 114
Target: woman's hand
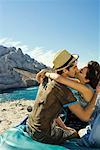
53, 76
41, 75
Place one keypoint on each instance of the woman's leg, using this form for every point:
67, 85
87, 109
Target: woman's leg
94, 138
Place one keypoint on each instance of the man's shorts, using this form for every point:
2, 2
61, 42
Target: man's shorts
56, 136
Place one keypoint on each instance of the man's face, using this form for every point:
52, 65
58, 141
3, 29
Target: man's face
72, 70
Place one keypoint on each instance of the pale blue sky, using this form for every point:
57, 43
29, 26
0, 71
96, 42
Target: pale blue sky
45, 26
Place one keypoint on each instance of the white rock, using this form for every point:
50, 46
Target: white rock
10, 58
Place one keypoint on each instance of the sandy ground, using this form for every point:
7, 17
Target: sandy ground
11, 113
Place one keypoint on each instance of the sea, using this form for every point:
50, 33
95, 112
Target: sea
19, 94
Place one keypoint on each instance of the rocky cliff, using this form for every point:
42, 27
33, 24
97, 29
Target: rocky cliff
11, 57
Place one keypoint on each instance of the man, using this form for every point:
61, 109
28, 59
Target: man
50, 100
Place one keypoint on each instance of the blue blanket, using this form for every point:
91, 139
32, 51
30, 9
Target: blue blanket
17, 139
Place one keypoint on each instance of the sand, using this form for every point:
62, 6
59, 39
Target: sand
11, 113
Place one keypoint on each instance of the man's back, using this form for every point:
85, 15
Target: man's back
48, 104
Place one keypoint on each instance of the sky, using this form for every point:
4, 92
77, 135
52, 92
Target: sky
42, 27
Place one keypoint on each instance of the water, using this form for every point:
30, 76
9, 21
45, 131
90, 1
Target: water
23, 93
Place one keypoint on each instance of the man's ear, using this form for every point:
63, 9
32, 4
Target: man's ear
65, 70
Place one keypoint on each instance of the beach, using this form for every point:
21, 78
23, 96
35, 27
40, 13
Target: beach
12, 112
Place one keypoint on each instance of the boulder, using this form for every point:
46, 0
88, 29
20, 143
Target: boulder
11, 57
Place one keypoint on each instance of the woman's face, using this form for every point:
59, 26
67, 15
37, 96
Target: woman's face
81, 75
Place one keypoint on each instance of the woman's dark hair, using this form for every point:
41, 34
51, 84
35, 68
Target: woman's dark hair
93, 73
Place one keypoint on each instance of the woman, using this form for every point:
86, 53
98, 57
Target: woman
90, 136
88, 77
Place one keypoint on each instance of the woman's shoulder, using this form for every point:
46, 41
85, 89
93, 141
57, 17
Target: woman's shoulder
89, 86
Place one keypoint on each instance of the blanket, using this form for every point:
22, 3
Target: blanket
17, 138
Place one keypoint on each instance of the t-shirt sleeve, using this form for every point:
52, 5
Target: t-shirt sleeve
68, 97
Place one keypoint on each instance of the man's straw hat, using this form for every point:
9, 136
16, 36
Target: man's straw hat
63, 59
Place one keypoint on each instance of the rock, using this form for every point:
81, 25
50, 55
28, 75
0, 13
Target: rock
22, 108
3, 109
29, 108
12, 57
9, 122
32, 83
3, 50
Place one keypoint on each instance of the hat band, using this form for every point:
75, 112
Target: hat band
65, 63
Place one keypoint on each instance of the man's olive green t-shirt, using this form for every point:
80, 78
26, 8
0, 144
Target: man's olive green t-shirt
48, 105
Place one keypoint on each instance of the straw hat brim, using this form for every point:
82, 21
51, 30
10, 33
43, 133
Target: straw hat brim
75, 58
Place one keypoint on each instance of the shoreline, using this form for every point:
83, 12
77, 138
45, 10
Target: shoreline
12, 112
9, 90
